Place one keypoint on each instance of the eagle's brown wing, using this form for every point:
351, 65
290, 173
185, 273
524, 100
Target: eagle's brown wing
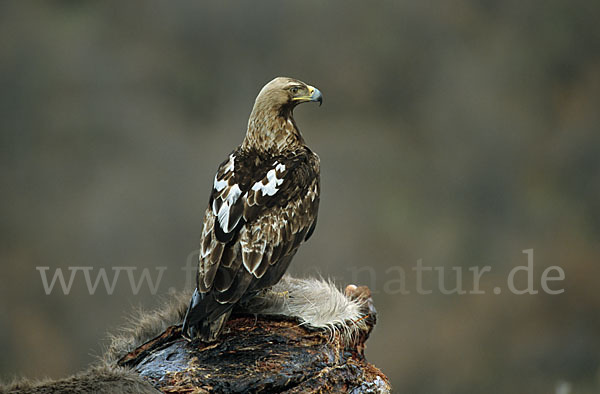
257, 218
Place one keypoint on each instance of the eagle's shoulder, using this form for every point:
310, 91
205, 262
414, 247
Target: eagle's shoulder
250, 182
283, 178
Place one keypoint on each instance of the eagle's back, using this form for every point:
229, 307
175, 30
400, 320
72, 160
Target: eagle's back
262, 207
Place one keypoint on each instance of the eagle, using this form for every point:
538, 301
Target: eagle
262, 206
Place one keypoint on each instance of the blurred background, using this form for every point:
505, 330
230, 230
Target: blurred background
456, 132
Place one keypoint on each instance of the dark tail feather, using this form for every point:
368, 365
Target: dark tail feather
205, 318
209, 330
185, 329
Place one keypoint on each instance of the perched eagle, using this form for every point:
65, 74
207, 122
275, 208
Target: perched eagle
262, 206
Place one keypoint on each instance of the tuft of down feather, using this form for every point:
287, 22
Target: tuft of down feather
317, 303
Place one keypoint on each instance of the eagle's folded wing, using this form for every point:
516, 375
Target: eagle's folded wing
252, 228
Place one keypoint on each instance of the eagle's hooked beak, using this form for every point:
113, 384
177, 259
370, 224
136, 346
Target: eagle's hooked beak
314, 94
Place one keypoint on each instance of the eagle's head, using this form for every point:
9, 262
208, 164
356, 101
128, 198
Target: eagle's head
271, 125
285, 93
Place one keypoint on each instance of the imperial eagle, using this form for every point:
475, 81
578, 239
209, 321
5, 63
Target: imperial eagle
262, 206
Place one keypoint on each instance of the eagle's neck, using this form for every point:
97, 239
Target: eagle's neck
272, 130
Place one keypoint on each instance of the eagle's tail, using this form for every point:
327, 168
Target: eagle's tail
204, 323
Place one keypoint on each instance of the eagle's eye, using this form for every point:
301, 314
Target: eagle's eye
294, 90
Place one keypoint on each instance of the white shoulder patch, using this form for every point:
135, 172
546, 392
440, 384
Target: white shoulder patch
228, 201
219, 184
270, 188
230, 164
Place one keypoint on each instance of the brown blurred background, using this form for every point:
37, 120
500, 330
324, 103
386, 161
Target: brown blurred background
456, 132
